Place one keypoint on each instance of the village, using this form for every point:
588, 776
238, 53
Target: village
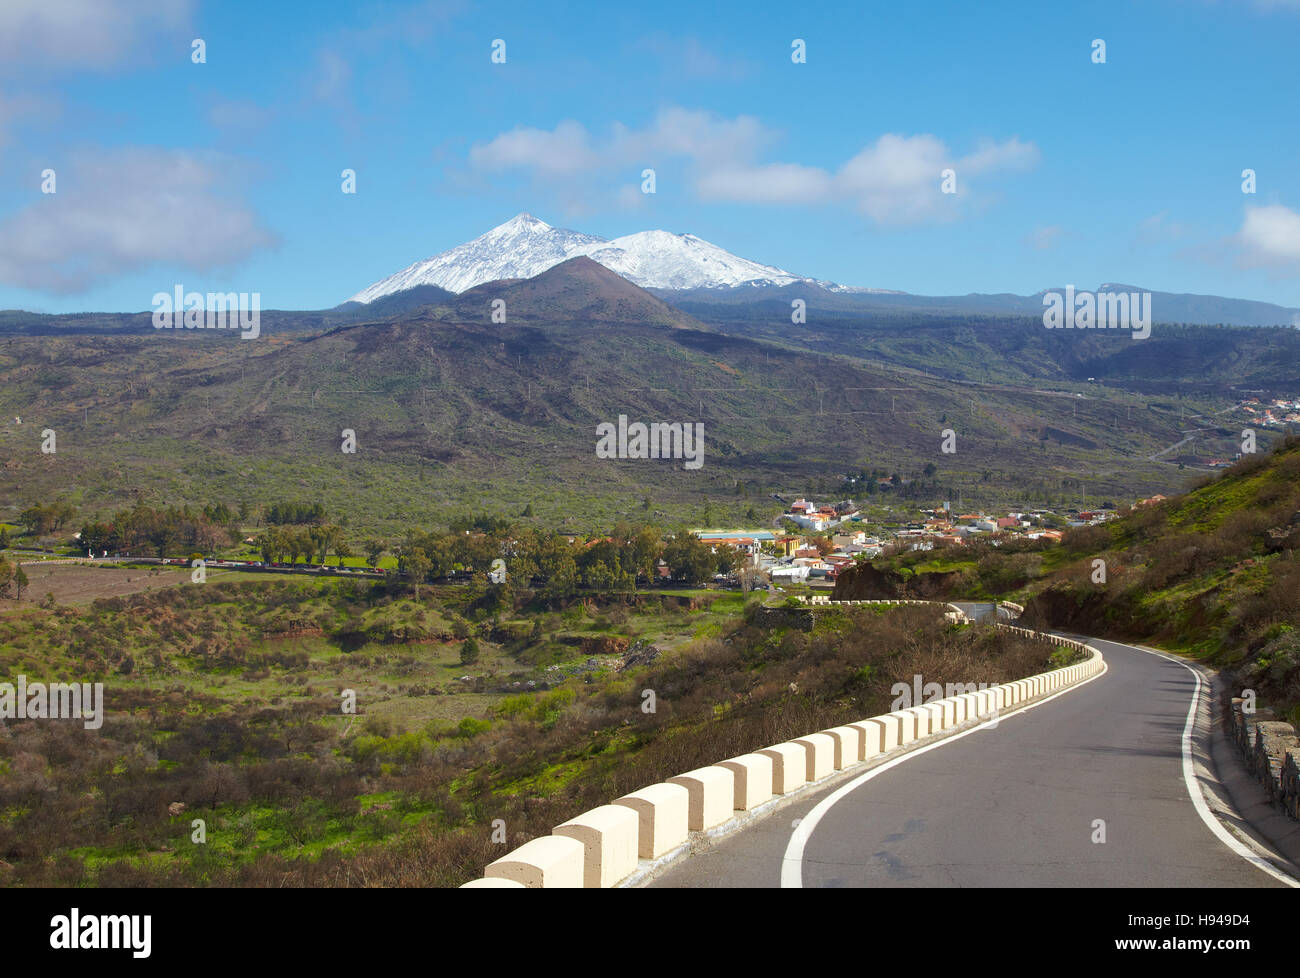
818, 542
1277, 413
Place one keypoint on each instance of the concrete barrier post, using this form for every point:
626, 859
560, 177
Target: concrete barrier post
849, 743
712, 793
609, 835
873, 737
906, 726
967, 705
935, 713
789, 767
922, 715
549, 862
663, 815
819, 749
752, 775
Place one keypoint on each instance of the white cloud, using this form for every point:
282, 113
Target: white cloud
694, 134
1045, 238
1270, 238
126, 210
896, 180
62, 35
1158, 228
563, 151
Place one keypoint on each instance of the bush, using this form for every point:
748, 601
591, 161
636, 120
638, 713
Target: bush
472, 726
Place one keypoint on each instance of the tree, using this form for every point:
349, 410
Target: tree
469, 651
4, 537
322, 539
374, 550
691, 560
415, 565
20, 582
271, 545
162, 533
556, 567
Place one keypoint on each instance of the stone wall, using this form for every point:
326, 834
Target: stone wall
1271, 751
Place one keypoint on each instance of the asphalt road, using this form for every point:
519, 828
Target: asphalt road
1011, 806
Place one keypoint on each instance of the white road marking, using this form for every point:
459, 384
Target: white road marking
1194, 786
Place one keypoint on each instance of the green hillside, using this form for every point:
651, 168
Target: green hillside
454, 414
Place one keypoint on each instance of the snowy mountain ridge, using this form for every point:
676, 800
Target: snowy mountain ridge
525, 246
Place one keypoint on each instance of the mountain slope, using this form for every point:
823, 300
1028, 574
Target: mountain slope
452, 416
576, 290
762, 300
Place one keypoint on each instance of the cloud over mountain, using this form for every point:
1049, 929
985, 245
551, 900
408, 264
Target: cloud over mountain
896, 180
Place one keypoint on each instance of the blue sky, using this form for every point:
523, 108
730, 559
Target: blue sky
226, 175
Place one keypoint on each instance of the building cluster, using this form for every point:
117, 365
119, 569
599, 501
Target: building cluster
810, 516
836, 538
1278, 413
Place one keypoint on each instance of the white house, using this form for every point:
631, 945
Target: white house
791, 573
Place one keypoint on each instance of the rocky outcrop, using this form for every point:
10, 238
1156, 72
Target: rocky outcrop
867, 583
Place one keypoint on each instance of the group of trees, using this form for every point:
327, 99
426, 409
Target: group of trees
295, 512
13, 580
281, 544
628, 556
170, 531
49, 518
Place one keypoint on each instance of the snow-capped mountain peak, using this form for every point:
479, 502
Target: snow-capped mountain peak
525, 246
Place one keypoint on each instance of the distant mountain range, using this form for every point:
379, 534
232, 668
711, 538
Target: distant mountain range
657, 277
691, 273
774, 301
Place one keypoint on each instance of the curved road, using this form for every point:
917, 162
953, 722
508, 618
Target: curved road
1014, 805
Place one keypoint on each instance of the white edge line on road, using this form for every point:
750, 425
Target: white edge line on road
792, 861
1194, 786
